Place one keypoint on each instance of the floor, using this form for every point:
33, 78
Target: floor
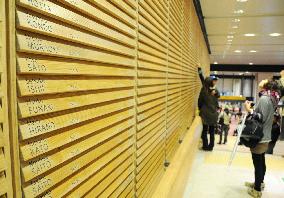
212, 177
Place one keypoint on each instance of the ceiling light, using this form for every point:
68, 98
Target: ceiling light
275, 34
252, 51
236, 20
238, 51
241, 74
238, 11
250, 63
215, 63
230, 36
230, 40
235, 27
242, 1
247, 72
249, 34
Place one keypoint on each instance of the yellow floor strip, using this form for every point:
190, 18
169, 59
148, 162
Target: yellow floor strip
243, 160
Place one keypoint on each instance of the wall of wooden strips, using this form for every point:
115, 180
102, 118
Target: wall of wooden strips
5, 159
104, 91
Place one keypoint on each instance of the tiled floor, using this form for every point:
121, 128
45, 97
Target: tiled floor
212, 177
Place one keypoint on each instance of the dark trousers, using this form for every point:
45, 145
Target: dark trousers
271, 146
259, 169
211, 130
225, 130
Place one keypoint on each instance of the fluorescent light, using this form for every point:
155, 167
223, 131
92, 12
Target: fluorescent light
215, 63
252, 51
236, 20
235, 27
230, 36
238, 51
242, 1
241, 74
275, 34
230, 40
247, 72
249, 34
238, 11
250, 63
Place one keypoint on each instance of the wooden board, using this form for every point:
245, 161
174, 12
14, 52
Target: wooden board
5, 158
103, 91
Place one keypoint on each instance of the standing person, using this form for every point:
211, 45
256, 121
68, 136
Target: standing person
239, 121
225, 116
264, 110
275, 133
208, 105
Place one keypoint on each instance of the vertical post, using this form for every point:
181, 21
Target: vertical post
242, 85
4, 130
12, 95
252, 79
166, 163
135, 98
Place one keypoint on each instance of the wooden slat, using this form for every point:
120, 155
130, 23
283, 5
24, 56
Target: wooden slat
41, 105
40, 146
109, 180
91, 183
3, 165
117, 155
67, 16
56, 176
46, 26
35, 126
30, 44
49, 85
4, 185
113, 10
99, 15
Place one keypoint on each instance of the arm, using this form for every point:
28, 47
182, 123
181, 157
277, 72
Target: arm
262, 109
201, 77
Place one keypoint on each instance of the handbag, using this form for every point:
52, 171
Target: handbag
253, 131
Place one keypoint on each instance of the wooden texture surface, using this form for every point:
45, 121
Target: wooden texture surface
5, 159
104, 90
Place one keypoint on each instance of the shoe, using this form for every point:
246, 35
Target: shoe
251, 185
225, 143
210, 149
254, 193
219, 143
204, 148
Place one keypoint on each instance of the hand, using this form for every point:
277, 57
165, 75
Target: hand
199, 70
247, 105
213, 92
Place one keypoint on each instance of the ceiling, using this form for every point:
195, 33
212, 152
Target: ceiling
227, 22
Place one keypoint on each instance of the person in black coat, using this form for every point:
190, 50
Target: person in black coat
208, 106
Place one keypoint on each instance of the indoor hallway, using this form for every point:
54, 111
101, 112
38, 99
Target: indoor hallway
212, 177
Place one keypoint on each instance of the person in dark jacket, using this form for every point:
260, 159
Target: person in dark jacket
208, 105
275, 133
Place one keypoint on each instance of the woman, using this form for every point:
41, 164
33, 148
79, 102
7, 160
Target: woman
267, 104
208, 104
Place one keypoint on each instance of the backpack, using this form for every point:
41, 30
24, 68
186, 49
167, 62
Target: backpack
253, 131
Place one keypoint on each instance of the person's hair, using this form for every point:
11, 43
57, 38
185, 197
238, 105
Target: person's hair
263, 83
271, 85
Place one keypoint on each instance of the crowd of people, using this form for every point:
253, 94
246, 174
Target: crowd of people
215, 118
